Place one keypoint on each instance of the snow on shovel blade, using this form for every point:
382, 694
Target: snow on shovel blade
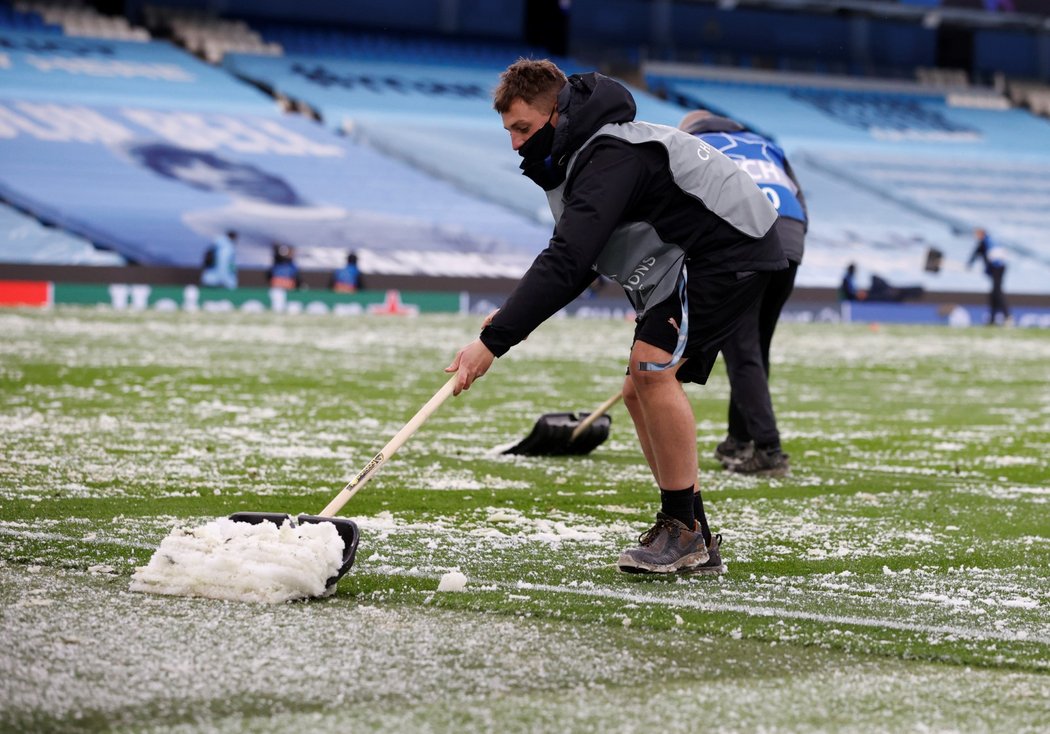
346, 528
552, 436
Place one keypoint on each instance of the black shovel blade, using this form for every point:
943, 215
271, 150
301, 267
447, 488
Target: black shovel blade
552, 436
347, 529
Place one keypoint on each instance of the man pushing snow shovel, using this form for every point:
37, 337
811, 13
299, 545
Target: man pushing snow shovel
687, 234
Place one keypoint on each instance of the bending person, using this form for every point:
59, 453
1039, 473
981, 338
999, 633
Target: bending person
688, 236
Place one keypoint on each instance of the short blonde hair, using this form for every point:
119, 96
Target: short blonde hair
531, 80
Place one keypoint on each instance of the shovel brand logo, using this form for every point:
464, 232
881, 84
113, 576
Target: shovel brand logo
639, 273
371, 467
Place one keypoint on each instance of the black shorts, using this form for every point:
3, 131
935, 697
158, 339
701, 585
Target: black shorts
717, 304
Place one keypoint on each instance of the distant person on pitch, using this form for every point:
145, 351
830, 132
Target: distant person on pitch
848, 287
347, 279
284, 273
220, 262
994, 257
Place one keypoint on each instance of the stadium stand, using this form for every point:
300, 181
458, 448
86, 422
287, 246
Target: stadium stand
387, 93
1033, 95
186, 150
78, 19
747, 35
18, 20
204, 35
64, 69
298, 39
23, 239
381, 104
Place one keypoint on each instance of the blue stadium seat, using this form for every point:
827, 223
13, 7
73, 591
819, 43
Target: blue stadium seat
23, 239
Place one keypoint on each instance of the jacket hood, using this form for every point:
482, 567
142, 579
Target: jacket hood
711, 124
585, 103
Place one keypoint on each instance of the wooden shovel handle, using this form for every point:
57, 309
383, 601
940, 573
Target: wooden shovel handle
395, 443
592, 417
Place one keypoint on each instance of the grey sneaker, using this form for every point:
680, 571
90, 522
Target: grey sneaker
733, 451
713, 565
772, 463
667, 547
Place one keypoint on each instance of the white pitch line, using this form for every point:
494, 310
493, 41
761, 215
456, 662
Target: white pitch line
756, 611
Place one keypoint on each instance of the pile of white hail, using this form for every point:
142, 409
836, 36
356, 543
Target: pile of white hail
239, 561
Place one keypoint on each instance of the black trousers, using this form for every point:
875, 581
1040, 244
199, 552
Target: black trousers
997, 299
746, 354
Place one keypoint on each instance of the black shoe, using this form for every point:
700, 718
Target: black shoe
771, 463
667, 547
733, 451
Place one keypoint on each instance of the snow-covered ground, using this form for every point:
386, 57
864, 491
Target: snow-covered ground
910, 527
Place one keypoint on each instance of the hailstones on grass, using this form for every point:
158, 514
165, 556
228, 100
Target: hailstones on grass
452, 581
239, 561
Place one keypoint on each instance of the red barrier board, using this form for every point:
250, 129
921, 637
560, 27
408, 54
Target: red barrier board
26, 293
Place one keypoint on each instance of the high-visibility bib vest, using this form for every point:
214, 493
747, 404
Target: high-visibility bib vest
636, 257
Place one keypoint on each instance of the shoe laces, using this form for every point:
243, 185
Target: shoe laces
651, 534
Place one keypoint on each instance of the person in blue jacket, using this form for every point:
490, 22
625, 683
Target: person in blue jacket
347, 279
220, 263
994, 257
284, 273
752, 444
848, 287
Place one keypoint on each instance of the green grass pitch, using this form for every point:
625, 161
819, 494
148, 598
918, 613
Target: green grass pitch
898, 580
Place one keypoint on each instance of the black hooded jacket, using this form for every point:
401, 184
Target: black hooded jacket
614, 182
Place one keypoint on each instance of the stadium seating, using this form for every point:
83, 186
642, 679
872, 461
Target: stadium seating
312, 40
43, 66
205, 35
77, 19
1033, 95
23, 239
160, 151
18, 20
386, 93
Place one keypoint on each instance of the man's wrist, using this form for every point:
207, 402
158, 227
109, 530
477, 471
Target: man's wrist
493, 345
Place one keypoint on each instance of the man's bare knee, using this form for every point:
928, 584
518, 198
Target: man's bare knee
645, 381
630, 392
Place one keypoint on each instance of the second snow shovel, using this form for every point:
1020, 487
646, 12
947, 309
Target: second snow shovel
561, 434
347, 528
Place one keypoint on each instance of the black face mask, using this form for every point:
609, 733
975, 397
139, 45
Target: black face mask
538, 147
537, 163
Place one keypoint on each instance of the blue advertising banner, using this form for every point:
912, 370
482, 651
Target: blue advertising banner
947, 314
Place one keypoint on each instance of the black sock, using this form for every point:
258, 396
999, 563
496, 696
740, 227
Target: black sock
698, 512
678, 503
